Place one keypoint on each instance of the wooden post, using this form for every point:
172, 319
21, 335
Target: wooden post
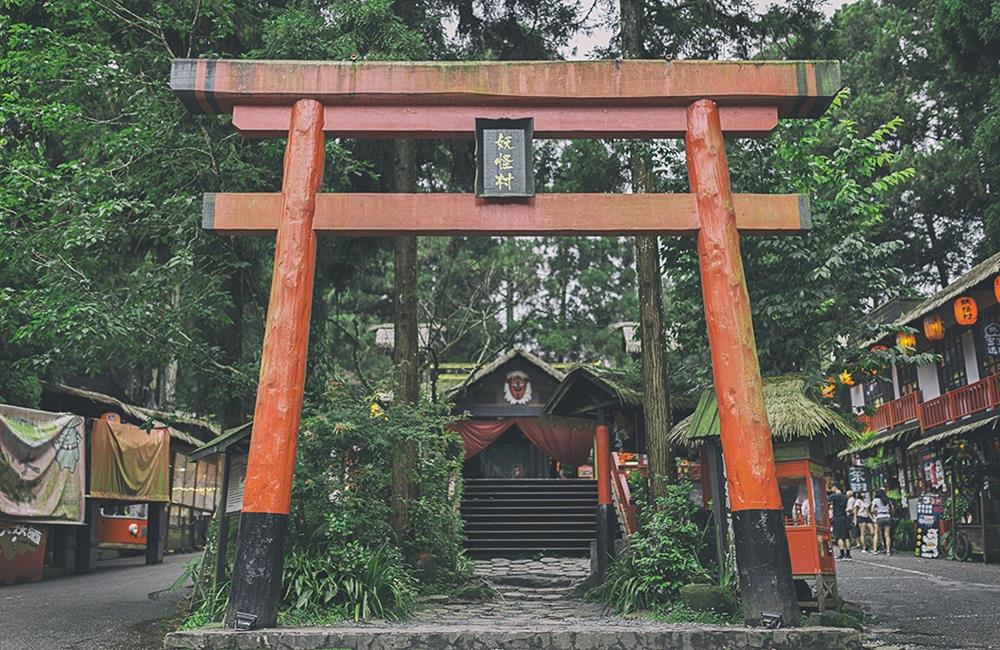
716, 482
222, 540
762, 555
156, 532
605, 512
256, 588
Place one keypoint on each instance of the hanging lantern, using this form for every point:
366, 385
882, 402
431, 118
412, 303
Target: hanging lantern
966, 311
933, 328
829, 389
996, 287
906, 340
846, 378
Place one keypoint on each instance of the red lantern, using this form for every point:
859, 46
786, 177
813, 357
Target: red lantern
966, 311
996, 287
933, 328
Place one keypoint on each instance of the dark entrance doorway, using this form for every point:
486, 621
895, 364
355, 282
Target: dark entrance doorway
511, 456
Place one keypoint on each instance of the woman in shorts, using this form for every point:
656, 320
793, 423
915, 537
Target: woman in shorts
865, 524
882, 509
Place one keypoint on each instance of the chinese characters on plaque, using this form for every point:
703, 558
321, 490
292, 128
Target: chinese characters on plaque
504, 160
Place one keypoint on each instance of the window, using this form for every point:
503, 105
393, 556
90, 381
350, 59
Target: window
877, 393
907, 375
988, 364
951, 370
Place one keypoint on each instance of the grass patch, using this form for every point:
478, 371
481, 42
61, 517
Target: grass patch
681, 613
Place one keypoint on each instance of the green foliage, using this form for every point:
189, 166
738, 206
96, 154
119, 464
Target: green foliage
904, 535
353, 581
660, 558
681, 613
343, 481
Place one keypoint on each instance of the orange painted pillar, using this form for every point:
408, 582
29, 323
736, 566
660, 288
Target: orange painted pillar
762, 554
256, 587
605, 512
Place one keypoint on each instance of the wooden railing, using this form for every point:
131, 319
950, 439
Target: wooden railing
953, 405
894, 413
621, 465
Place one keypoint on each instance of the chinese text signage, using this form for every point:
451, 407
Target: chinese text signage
504, 161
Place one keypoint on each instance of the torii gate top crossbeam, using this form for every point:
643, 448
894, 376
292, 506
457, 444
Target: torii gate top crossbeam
795, 88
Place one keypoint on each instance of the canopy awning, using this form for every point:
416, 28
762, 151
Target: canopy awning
961, 430
883, 438
223, 442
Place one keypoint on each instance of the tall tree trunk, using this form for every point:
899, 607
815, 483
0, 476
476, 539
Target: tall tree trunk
656, 396
406, 350
230, 340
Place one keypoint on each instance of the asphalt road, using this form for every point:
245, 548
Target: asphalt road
917, 604
121, 606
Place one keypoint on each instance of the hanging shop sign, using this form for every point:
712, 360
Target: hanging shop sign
857, 478
928, 526
991, 339
966, 311
505, 158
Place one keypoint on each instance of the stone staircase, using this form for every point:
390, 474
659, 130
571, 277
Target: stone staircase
529, 517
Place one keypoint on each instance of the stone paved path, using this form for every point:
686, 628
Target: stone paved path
536, 608
528, 591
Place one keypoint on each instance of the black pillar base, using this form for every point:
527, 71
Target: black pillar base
605, 539
260, 557
764, 566
156, 532
87, 538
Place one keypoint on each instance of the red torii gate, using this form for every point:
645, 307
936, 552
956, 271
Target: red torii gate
697, 100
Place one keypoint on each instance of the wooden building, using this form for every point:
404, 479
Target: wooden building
932, 429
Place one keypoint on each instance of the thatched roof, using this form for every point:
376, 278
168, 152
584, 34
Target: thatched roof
492, 366
183, 426
974, 276
791, 413
586, 390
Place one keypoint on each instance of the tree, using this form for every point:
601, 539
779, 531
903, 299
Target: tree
655, 398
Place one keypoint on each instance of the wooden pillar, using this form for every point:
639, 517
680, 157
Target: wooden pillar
605, 513
715, 482
156, 532
256, 587
87, 538
222, 540
762, 555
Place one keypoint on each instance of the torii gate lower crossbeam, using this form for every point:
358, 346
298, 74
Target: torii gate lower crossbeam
304, 91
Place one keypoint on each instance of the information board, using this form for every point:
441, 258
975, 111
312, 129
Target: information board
928, 526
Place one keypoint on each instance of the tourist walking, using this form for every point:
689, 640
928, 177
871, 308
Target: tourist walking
852, 519
866, 526
841, 527
882, 510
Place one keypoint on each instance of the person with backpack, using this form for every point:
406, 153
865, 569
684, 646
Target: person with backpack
882, 513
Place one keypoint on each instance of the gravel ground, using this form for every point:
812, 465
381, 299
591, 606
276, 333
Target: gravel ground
918, 604
124, 605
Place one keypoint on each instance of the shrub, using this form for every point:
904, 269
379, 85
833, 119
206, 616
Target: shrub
342, 560
354, 581
904, 535
660, 558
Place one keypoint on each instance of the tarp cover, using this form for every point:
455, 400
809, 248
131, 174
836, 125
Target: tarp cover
41, 466
129, 463
566, 444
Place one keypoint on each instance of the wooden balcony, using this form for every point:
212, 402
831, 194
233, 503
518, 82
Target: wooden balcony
962, 402
894, 413
950, 407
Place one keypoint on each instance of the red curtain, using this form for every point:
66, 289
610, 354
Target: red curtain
566, 444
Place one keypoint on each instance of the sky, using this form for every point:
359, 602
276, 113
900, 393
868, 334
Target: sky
585, 43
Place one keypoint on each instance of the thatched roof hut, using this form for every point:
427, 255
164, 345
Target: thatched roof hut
793, 416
